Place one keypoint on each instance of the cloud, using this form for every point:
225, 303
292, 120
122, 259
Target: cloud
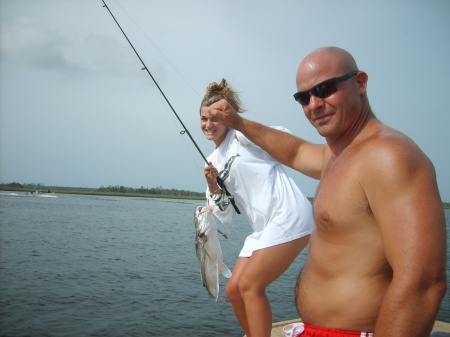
26, 41
29, 42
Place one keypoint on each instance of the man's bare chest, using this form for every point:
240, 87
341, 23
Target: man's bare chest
340, 201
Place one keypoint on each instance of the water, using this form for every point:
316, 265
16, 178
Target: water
76, 265
111, 266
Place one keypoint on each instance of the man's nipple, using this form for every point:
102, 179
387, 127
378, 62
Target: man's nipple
324, 220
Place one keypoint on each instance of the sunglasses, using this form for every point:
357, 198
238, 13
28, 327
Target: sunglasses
323, 89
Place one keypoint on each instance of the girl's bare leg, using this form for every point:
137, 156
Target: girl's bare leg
234, 294
261, 269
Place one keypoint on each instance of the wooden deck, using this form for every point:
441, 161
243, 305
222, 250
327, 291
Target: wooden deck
440, 329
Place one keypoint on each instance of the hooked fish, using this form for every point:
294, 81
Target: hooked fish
209, 253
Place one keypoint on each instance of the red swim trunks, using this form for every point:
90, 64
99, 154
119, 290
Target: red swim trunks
305, 330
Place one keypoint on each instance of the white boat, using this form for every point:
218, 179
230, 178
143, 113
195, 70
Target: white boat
38, 193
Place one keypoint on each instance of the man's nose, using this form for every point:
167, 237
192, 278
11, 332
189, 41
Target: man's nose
315, 102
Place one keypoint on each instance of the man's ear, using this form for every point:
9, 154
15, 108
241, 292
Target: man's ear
362, 79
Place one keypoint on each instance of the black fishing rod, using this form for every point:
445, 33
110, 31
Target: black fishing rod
156, 83
219, 180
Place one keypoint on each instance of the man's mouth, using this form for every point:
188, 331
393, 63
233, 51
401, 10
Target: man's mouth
323, 118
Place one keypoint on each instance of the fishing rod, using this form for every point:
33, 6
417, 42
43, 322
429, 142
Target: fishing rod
156, 83
219, 179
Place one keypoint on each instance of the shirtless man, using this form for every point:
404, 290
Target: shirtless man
376, 260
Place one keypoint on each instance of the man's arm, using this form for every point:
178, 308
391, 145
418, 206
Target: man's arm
283, 147
402, 191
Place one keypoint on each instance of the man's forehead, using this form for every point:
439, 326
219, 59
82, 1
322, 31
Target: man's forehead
315, 70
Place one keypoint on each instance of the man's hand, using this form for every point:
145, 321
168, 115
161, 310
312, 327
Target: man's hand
224, 112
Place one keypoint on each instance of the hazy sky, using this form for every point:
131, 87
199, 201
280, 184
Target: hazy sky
77, 110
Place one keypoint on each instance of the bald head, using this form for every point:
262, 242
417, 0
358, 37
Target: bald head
328, 63
325, 63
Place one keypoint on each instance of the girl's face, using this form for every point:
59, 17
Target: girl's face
212, 128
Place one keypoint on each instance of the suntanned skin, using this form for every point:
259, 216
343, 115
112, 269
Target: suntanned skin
377, 254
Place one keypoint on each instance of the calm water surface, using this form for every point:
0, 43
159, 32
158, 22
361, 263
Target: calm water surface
78, 265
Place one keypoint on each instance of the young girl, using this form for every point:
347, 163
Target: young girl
279, 213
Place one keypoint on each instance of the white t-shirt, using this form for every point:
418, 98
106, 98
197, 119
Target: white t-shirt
266, 196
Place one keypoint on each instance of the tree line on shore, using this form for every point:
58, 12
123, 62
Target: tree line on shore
159, 191
153, 191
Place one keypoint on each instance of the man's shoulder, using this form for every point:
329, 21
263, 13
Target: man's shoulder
389, 153
382, 140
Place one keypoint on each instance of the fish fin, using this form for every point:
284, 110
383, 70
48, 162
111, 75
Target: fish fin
225, 270
224, 300
223, 234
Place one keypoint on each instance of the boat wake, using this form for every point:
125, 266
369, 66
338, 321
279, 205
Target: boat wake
14, 194
27, 194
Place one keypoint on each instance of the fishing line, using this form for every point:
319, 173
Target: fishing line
156, 47
156, 83
219, 180
185, 143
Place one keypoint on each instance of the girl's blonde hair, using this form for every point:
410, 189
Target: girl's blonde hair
215, 92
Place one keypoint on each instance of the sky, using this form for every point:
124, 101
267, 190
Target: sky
77, 110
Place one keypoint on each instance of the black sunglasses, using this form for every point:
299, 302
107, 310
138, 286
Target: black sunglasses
323, 89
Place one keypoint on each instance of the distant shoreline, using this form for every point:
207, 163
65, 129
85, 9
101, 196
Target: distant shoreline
445, 205
111, 194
